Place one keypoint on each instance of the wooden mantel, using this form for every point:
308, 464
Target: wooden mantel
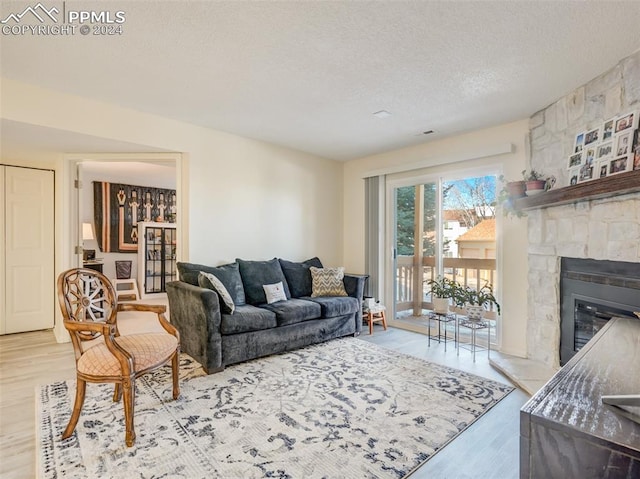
614, 185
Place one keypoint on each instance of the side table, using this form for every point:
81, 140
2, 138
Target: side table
443, 320
474, 325
94, 265
374, 315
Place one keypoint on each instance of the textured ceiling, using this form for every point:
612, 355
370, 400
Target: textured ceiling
309, 75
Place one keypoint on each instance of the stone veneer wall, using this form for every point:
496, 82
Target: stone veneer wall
598, 229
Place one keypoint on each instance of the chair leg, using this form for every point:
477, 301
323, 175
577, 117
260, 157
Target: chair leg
129, 394
175, 367
117, 392
81, 387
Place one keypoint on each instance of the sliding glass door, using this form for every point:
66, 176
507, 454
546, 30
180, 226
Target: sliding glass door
414, 240
440, 226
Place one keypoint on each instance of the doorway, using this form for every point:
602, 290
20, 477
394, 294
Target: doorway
148, 174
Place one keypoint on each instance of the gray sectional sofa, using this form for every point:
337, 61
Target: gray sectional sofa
217, 333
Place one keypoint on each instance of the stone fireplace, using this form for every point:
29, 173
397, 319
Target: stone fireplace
597, 229
607, 229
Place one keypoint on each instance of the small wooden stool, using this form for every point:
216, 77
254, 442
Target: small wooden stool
374, 315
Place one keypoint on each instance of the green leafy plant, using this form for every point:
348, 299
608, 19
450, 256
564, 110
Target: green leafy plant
479, 297
532, 175
442, 287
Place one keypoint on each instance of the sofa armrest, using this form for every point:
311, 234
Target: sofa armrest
354, 286
195, 312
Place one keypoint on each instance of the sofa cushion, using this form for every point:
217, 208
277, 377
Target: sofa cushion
210, 281
336, 305
294, 311
327, 282
228, 274
247, 318
299, 276
255, 274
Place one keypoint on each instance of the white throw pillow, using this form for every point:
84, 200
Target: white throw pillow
274, 292
207, 280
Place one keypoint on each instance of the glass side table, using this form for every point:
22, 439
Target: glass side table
443, 320
474, 326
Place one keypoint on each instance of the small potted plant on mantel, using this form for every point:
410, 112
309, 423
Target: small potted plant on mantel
535, 183
513, 189
509, 193
477, 301
442, 289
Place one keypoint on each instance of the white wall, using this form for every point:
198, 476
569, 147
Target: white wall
245, 198
460, 153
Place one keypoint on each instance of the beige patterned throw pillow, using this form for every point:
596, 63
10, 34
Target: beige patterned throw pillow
207, 280
327, 282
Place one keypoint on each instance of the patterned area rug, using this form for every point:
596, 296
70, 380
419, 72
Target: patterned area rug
345, 408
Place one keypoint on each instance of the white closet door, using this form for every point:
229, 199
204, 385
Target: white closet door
3, 223
29, 250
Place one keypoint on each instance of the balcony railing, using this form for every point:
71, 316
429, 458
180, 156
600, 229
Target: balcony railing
411, 277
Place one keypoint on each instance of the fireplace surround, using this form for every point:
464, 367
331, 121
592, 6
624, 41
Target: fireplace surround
605, 229
591, 292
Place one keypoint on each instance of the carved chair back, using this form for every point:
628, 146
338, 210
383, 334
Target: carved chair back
86, 296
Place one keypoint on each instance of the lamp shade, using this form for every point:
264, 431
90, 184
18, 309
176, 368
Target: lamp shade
87, 231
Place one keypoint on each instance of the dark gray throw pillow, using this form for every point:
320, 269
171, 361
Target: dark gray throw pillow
255, 274
228, 274
299, 276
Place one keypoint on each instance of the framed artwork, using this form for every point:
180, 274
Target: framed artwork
607, 129
573, 176
118, 208
604, 149
619, 165
574, 160
623, 143
585, 172
579, 144
626, 122
636, 158
602, 168
592, 137
590, 154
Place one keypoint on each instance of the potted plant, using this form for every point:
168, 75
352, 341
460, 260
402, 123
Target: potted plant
477, 301
535, 183
513, 189
510, 192
441, 289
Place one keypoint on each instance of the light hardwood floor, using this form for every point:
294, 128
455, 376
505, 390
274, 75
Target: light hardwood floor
487, 449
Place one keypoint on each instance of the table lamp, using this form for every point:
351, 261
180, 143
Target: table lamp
87, 234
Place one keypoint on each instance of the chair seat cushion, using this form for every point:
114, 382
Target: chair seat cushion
294, 311
333, 306
147, 350
247, 318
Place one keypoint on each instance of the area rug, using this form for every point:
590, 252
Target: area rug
345, 408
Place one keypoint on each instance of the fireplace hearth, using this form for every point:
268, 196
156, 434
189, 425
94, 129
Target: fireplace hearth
591, 293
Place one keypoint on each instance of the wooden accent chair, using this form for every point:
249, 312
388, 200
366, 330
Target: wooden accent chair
89, 307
